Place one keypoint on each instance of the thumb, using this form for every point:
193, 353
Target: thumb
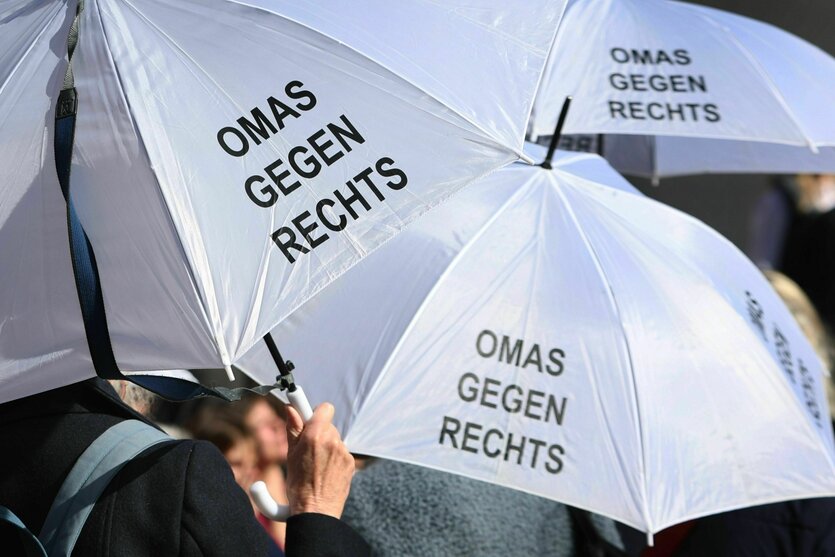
295, 424
323, 413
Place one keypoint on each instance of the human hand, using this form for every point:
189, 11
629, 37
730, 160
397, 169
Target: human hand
319, 466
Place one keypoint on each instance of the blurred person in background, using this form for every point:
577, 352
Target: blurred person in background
793, 230
810, 323
265, 418
403, 509
227, 432
222, 425
809, 252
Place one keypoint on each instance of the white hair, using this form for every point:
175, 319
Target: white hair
134, 396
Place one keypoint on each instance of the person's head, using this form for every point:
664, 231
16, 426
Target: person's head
265, 417
232, 438
815, 192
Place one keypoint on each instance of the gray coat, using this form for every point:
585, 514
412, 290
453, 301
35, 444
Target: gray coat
403, 510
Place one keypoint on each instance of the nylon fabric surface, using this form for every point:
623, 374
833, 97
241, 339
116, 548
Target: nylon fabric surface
685, 89
207, 231
576, 340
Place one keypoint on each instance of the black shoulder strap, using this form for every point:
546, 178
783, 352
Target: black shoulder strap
86, 273
588, 540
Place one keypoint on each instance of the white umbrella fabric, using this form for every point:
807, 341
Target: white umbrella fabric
663, 156
575, 340
232, 158
689, 89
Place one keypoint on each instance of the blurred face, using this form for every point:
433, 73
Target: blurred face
242, 459
269, 431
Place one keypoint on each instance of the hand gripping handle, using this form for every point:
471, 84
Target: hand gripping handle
268, 506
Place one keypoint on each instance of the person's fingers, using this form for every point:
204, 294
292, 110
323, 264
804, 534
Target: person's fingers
295, 424
323, 413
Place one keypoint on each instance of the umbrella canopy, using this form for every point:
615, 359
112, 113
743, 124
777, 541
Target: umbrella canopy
690, 89
576, 340
233, 158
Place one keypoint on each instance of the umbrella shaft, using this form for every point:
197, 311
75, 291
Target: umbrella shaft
280, 363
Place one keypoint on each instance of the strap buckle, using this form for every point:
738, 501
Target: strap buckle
67, 103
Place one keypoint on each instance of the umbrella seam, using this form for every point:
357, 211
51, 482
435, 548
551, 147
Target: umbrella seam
406, 223
258, 290
763, 74
516, 149
386, 368
613, 301
611, 442
220, 344
493, 31
708, 231
29, 51
548, 54
534, 246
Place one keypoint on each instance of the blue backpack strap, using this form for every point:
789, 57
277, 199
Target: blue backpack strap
89, 477
28, 542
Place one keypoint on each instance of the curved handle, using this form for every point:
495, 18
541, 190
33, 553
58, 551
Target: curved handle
268, 506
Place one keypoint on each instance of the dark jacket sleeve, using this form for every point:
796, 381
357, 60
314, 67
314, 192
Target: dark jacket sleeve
319, 535
217, 517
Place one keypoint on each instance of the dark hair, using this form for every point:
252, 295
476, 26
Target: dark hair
220, 424
221, 435
248, 401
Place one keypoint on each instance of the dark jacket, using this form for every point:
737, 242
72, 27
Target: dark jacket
804, 528
178, 498
809, 260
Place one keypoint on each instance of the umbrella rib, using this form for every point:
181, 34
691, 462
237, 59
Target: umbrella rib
763, 74
511, 38
218, 337
335, 275
29, 50
516, 149
452, 264
616, 308
544, 67
258, 289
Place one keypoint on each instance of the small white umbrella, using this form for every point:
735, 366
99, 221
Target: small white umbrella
232, 158
689, 89
576, 340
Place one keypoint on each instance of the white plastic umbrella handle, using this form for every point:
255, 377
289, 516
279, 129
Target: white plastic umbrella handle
268, 506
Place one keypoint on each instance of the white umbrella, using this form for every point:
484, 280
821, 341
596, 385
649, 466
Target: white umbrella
575, 340
232, 158
689, 89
